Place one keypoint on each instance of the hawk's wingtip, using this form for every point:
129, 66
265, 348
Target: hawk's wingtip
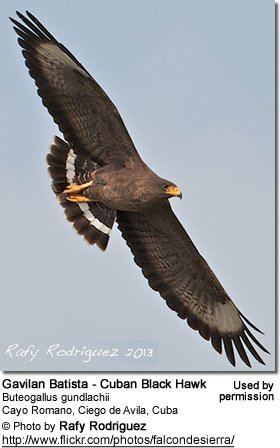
19, 14
250, 323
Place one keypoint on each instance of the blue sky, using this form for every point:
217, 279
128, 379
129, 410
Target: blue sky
194, 83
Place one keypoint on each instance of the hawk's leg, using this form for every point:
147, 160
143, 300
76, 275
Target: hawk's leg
77, 188
78, 198
75, 192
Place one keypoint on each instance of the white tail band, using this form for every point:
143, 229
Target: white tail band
93, 221
70, 166
70, 175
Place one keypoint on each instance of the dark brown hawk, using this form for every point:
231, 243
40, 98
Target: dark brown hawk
99, 177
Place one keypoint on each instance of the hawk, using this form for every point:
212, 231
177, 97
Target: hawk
99, 178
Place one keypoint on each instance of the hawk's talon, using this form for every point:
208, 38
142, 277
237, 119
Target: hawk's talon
74, 192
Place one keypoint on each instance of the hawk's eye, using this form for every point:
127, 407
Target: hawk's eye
165, 186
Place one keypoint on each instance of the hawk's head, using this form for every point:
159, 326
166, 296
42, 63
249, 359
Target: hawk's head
171, 190
167, 189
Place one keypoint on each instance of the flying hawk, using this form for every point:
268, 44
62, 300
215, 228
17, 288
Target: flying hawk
99, 177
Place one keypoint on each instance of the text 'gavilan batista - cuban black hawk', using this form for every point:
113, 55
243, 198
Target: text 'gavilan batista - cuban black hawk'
99, 177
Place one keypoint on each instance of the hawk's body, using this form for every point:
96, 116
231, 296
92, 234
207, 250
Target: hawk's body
136, 194
99, 177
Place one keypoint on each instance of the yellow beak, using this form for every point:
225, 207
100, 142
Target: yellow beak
172, 190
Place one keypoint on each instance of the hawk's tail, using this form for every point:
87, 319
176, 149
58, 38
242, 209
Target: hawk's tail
92, 220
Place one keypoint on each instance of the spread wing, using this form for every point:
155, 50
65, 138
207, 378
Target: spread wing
85, 115
174, 268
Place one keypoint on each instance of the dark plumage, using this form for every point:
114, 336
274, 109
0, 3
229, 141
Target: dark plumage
99, 177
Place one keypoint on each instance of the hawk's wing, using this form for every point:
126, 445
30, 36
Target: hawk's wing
85, 115
174, 268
